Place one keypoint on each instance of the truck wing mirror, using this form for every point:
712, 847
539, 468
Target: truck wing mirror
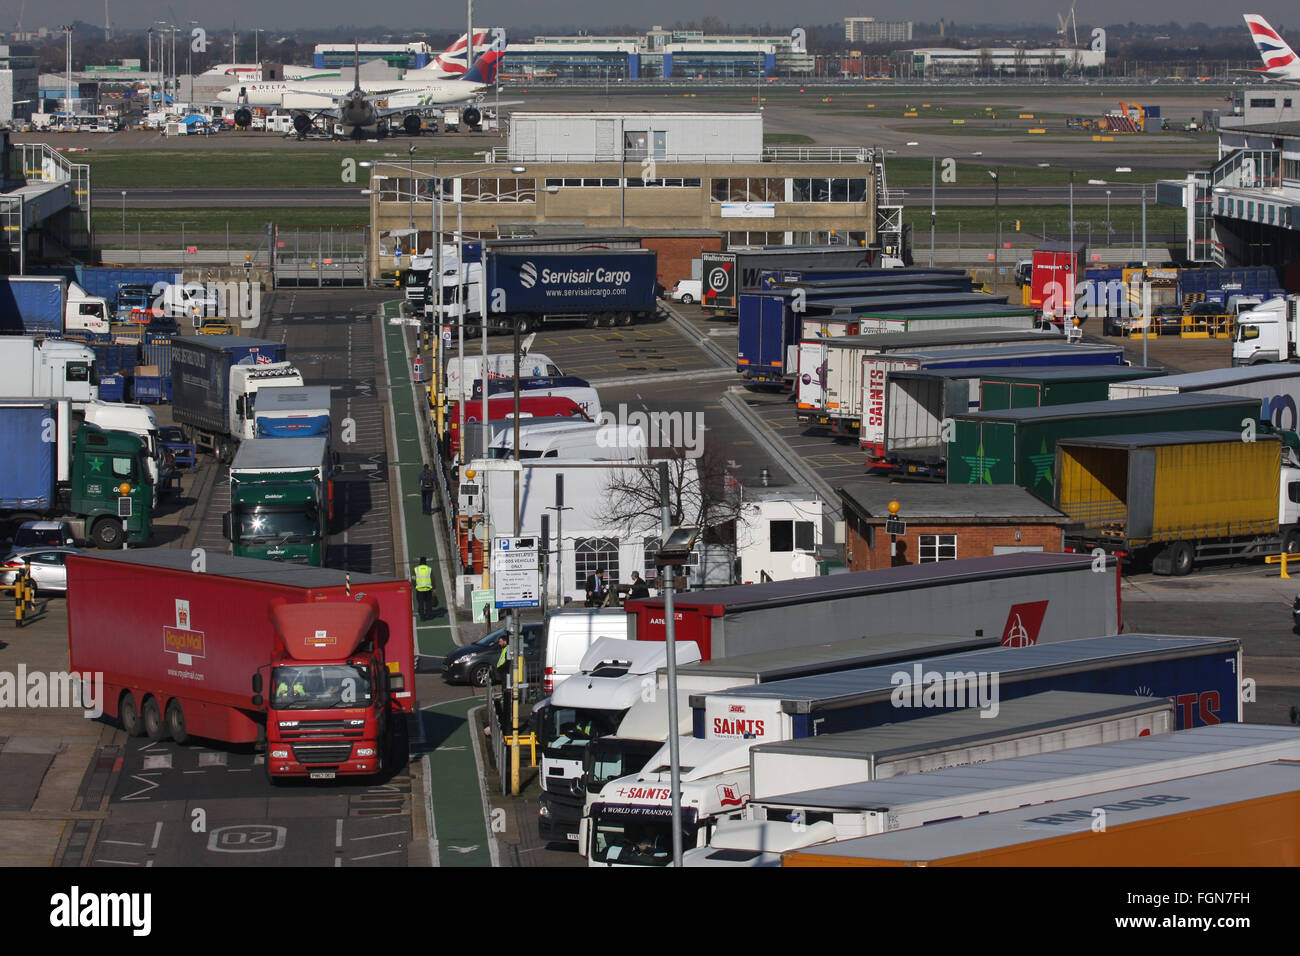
396, 682
257, 683
225, 528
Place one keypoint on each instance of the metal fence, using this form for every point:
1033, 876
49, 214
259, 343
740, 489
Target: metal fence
321, 258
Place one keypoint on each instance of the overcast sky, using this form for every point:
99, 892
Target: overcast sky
283, 14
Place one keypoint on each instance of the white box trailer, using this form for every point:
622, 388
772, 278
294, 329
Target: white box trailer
1040, 723
915, 800
460, 385
1277, 386
1241, 817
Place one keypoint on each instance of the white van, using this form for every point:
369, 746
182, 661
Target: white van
590, 441
570, 632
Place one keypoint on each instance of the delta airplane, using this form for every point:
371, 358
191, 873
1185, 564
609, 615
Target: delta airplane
361, 106
1280, 61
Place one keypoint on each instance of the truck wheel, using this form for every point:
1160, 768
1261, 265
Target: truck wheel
128, 714
225, 451
1291, 541
481, 675
524, 323
107, 533
176, 722
154, 728
1181, 558
626, 318
593, 322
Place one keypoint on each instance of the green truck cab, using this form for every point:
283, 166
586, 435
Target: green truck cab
110, 480
281, 500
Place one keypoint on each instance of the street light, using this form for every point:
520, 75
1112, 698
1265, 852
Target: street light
123, 218
68, 31
997, 224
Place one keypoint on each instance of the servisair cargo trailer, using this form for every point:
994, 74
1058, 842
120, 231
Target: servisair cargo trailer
1020, 599
1040, 723
815, 352
1244, 817
1018, 446
1202, 674
316, 662
728, 724
919, 401
1276, 386
1043, 780
863, 412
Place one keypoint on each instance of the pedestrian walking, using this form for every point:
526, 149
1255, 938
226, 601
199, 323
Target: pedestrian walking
426, 489
424, 595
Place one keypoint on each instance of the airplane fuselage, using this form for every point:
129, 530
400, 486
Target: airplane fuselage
298, 95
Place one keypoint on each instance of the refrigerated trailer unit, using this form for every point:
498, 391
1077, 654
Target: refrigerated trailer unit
1018, 446
923, 800
1021, 598
919, 402
1040, 723
1244, 817
1174, 499
316, 662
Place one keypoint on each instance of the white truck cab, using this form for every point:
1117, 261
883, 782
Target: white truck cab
245, 382
136, 419
1268, 332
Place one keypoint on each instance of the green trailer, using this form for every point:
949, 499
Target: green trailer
281, 500
1018, 446
1035, 387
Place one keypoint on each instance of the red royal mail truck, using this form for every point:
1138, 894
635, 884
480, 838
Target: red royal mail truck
316, 663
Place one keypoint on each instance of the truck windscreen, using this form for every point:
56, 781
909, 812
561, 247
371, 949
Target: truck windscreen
264, 524
570, 726
319, 686
609, 758
638, 836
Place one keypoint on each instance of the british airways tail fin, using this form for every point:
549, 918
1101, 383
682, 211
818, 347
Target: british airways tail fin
450, 63
1280, 61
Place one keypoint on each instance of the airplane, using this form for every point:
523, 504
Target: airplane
360, 107
1280, 61
451, 61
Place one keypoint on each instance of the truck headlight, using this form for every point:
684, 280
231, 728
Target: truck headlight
544, 811
280, 754
365, 751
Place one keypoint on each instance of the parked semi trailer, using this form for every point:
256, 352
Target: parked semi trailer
1244, 817
1021, 599
1276, 386
317, 663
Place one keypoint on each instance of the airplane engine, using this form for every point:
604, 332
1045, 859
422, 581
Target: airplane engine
243, 117
470, 116
302, 124
411, 123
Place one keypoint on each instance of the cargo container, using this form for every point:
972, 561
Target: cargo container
863, 412
1276, 386
50, 305
597, 287
1056, 266
1018, 446
216, 379
98, 480
728, 724
728, 274
236, 653
281, 500
823, 277
770, 323
1040, 723
293, 412
45, 368
1019, 598
880, 316
1244, 817
626, 737
919, 402
815, 354
1176, 499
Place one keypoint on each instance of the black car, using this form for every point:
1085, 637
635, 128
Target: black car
475, 662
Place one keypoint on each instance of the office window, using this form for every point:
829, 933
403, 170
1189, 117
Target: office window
595, 554
786, 536
936, 547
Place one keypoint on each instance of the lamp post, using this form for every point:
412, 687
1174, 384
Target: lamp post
123, 218
68, 32
1109, 229
997, 223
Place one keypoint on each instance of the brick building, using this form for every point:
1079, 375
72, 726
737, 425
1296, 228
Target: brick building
944, 522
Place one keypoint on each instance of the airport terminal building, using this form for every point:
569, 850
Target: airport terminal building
704, 172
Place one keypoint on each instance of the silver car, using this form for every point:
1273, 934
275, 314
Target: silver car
48, 567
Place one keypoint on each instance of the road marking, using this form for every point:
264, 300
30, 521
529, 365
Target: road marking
338, 833
118, 862
376, 836
157, 832
371, 856
137, 794
122, 842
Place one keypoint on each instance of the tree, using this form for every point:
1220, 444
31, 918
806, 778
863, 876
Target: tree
701, 492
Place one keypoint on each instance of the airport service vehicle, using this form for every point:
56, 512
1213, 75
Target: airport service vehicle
593, 287
1276, 386
99, 481
899, 804
552, 386
1244, 817
1202, 674
642, 728
728, 274
1018, 446
1175, 499
1268, 333
293, 412
919, 402
312, 661
281, 500
46, 368
1039, 723
1019, 599
503, 409
463, 373
50, 305
215, 382
770, 323
866, 412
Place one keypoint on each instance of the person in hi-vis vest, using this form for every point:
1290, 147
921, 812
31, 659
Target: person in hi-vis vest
424, 595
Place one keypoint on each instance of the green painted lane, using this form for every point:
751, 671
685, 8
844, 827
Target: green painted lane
458, 820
